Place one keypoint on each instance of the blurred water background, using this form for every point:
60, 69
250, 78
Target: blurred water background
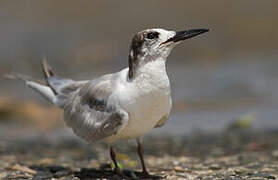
227, 74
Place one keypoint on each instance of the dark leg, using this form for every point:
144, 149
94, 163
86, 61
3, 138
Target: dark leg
117, 169
140, 153
113, 157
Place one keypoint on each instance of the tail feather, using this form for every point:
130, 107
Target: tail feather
23, 77
43, 90
47, 70
54, 89
39, 86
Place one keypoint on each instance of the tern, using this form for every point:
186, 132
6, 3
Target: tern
122, 105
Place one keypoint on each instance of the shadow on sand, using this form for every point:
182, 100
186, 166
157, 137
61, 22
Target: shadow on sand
104, 172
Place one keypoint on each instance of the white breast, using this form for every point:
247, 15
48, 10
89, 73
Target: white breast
147, 99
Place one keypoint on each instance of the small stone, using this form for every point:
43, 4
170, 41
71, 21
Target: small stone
215, 167
241, 171
46, 161
18, 167
179, 169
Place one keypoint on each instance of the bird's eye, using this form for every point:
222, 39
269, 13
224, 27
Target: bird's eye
152, 35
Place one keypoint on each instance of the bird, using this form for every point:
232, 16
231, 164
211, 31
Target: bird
121, 105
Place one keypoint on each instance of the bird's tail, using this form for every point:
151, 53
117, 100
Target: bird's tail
42, 87
48, 73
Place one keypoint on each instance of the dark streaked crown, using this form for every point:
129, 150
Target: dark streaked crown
136, 48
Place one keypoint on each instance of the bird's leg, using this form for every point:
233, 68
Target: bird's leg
117, 169
113, 157
140, 153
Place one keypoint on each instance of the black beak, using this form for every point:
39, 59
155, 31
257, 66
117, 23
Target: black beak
182, 35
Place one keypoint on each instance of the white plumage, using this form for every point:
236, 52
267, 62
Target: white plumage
147, 100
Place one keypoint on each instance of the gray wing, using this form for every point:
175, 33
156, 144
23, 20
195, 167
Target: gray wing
64, 89
90, 113
162, 121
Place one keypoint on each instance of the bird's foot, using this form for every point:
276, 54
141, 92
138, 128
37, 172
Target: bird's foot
146, 174
120, 173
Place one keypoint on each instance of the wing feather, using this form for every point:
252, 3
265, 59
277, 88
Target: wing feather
90, 113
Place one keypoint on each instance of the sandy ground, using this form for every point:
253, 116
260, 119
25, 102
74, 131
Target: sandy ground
234, 154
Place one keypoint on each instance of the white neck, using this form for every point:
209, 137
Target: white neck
152, 75
154, 68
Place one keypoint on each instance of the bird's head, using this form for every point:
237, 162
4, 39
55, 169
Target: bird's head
152, 44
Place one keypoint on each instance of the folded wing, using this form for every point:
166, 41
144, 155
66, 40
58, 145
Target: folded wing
91, 113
